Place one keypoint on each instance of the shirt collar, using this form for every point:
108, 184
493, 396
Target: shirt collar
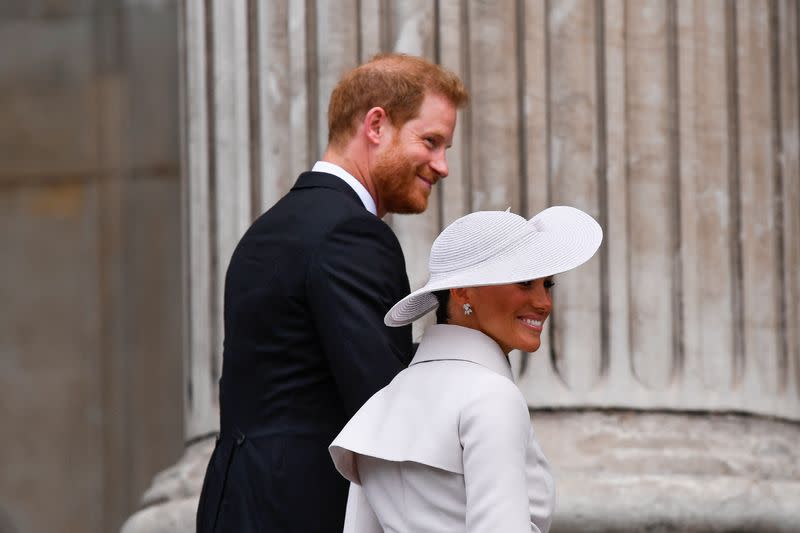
361, 191
448, 342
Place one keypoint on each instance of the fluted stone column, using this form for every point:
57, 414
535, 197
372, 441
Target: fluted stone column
670, 385
667, 389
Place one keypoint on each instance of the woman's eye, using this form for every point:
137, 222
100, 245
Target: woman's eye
549, 284
526, 283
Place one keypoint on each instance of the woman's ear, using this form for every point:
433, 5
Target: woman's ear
459, 295
460, 307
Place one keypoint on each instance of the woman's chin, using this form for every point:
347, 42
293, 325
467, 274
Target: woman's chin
531, 346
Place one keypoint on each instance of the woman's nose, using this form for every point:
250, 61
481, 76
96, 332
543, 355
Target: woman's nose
541, 297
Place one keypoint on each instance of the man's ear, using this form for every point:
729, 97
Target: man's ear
375, 122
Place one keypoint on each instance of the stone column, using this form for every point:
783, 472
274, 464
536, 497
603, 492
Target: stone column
668, 394
667, 390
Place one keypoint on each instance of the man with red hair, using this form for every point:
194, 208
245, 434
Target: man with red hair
305, 295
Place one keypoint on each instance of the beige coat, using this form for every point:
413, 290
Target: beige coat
447, 446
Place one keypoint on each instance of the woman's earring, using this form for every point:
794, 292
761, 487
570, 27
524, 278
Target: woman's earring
467, 309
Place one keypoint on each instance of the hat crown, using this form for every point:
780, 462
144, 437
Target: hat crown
475, 238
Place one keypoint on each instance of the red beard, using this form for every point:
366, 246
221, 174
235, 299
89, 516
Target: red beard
396, 183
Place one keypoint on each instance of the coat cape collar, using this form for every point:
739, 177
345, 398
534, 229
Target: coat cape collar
445, 342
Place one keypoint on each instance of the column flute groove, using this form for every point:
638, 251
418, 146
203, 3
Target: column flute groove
602, 180
255, 106
777, 156
674, 171
735, 203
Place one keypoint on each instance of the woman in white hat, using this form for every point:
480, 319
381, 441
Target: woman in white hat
448, 445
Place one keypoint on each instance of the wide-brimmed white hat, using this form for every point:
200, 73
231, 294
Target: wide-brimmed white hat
500, 247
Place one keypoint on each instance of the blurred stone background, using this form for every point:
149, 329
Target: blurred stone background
90, 268
668, 396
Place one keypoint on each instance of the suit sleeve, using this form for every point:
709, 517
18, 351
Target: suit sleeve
494, 430
356, 275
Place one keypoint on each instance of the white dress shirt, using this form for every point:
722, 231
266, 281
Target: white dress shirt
339, 172
447, 446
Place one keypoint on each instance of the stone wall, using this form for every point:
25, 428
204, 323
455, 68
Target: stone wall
90, 268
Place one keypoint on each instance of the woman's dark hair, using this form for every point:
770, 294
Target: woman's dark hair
443, 297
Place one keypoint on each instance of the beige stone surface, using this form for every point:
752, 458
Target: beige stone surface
452, 42
572, 140
635, 471
47, 97
50, 369
184, 479
47, 8
90, 276
153, 333
153, 85
170, 503
761, 363
201, 353
616, 472
151, 253
789, 170
705, 196
334, 51
172, 517
699, 303
279, 100
651, 193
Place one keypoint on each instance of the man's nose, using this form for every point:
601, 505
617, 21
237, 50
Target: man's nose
439, 165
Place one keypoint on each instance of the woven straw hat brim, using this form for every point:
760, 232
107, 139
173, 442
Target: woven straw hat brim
561, 238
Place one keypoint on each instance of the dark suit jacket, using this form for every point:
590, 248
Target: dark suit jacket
305, 346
